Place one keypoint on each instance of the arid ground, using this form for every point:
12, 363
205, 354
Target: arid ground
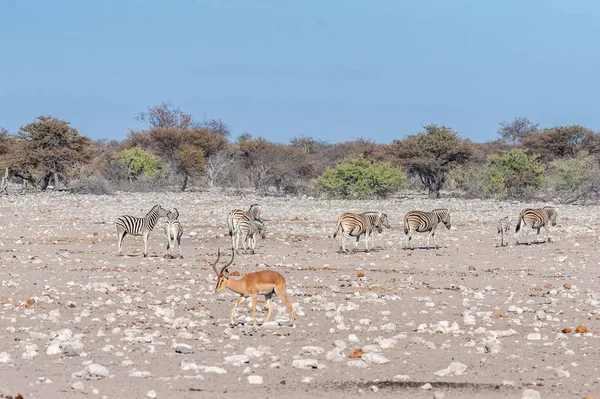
468, 320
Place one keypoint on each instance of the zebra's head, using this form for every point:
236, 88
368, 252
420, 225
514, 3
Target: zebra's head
551, 211
255, 211
383, 218
262, 229
444, 217
222, 275
159, 210
173, 214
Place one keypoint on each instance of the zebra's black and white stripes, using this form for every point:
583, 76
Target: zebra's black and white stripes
536, 219
136, 226
246, 224
356, 224
503, 228
173, 231
422, 222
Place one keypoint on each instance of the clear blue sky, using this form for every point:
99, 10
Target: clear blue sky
333, 70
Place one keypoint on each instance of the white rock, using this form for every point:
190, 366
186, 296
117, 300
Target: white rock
305, 363
455, 368
96, 371
439, 395
426, 386
312, 350
151, 394
5, 358
401, 377
308, 380
531, 394
357, 363
375, 358
255, 379
534, 336
215, 369
183, 349
237, 360
77, 385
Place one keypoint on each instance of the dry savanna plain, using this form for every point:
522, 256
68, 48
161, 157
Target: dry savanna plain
468, 320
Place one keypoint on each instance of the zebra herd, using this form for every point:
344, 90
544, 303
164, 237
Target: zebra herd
246, 225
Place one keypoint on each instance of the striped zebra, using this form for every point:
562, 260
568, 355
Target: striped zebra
173, 231
536, 218
503, 228
357, 224
378, 219
422, 222
138, 226
248, 229
252, 222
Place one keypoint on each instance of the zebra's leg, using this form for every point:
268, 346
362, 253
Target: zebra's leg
120, 236
434, 239
240, 300
252, 242
355, 244
145, 243
537, 236
367, 242
235, 241
179, 246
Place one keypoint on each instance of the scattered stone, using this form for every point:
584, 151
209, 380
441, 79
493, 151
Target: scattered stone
151, 394
356, 354
375, 358
455, 368
531, 394
255, 379
305, 363
581, 329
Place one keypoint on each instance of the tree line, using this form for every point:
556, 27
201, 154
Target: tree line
174, 151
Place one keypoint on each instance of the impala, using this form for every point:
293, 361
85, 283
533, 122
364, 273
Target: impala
263, 282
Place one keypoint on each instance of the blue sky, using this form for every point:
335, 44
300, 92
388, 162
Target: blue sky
333, 70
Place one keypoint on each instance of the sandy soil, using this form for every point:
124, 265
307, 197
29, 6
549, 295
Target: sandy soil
470, 319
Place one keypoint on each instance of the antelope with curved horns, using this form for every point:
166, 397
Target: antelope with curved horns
263, 282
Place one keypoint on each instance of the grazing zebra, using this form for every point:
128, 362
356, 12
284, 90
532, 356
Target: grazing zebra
252, 223
174, 231
536, 218
503, 227
422, 222
248, 229
357, 224
138, 226
378, 219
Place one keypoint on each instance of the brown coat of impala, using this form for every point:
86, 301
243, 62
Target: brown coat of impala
264, 282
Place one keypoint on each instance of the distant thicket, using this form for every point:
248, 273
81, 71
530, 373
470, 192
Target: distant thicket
176, 152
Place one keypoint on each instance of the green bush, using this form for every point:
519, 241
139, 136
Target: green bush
575, 174
140, 163
358, 177
513, 174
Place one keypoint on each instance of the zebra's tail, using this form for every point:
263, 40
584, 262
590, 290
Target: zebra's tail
231, 226
337, 229
406, 226
519, 224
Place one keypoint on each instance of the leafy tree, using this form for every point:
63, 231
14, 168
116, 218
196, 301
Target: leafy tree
513, 174
356, 176
165, 116
515, 131
140, 163
431, 155
49, 148
576, 176
562, 142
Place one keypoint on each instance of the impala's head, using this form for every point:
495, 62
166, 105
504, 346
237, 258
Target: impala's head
222, 276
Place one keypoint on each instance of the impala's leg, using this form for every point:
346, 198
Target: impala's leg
240, 300
254, 298
270, 303
282, 294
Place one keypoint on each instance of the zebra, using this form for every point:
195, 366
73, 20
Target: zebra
138, 226
422, 222
357, 224
503, 228
378, 219
536, 218
173, 231
251, 215
248, 229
